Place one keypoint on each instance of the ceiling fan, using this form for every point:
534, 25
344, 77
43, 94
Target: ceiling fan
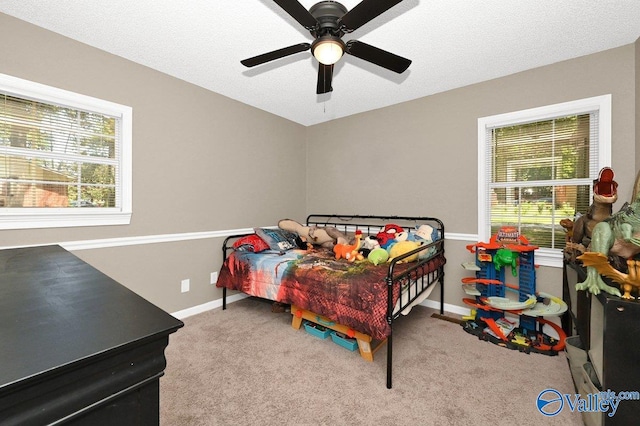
328, 21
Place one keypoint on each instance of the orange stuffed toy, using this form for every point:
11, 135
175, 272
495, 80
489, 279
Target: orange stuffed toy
349, 252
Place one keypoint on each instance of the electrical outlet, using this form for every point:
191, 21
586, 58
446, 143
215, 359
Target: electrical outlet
214, 277
184, 285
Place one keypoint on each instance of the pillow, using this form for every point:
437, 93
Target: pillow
251, 243
278, 239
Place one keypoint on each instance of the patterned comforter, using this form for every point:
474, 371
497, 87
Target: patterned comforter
352, 294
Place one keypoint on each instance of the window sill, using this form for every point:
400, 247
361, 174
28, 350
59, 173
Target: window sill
58, 219
549, 257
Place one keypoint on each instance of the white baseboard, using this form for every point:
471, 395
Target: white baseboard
194, 310
185, 313
448, 308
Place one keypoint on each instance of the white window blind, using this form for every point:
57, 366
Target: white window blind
64, 158
538, 166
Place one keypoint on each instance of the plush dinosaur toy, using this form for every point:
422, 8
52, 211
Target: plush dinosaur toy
349, 251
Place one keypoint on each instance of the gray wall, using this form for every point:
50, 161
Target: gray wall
205, 163
202, 162
420, 157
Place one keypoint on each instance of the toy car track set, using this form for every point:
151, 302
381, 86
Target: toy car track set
523, 330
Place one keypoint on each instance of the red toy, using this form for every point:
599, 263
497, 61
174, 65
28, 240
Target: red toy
388, 233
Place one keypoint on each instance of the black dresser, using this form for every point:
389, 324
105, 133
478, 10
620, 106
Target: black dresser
76, 347
609, 335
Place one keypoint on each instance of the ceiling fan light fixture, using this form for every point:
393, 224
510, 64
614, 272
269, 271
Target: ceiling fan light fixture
328, 49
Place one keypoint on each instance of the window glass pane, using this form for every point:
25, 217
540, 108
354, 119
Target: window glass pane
62, 151
45, 127
551, 149
55, 156
35, 182
92, 196
528, 165
537, 168
537, 211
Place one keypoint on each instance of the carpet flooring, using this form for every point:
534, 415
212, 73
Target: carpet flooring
247, 366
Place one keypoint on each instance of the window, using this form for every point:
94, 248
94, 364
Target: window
536, 167
65, 158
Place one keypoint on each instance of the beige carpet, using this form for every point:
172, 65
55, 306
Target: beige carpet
247, 366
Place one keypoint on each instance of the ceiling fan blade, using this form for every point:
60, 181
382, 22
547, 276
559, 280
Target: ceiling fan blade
378, 56
364, 12
325, 75
298, 12
276, 54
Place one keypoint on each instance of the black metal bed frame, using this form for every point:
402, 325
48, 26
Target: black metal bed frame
417, 278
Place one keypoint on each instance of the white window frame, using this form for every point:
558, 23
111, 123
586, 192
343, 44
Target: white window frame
19, 218
602, 104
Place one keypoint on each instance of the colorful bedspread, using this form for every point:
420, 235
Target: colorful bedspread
351, 294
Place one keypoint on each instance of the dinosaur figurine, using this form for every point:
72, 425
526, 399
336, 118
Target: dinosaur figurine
617, 235
504, 257
605, 193
627, 281
349, 251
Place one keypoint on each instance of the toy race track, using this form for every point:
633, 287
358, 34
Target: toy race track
488, 318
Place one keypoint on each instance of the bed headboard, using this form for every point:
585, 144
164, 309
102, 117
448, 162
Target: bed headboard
349, 224
371, 225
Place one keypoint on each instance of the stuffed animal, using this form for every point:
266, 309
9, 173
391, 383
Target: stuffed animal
326, 237
378, 255
349, 251
388, 234
338, 237
426, 234
370, 243
402, 247
400, 236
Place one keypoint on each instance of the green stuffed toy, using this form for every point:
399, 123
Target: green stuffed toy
378, 255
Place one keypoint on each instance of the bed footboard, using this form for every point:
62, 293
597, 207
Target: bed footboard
417, 281
227, 246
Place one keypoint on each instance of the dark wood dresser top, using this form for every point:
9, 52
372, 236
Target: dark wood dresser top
56, 311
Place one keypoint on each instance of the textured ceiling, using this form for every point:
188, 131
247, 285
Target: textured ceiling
452, 43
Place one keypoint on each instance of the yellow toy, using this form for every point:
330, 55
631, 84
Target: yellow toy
402, 247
